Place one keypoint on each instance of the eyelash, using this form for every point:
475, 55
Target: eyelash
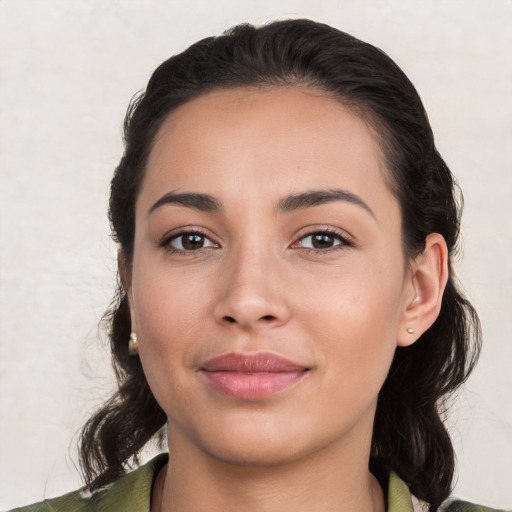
344, 242
166, 242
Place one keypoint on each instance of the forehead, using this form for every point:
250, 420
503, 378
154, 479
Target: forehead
248, 140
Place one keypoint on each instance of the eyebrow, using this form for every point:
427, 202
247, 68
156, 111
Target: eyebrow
195, 200
209, 204
319, 197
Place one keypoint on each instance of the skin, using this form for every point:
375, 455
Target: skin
258, 284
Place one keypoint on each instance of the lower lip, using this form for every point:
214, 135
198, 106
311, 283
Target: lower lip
252, 386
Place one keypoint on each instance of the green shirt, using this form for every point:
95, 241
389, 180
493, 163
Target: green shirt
132, 493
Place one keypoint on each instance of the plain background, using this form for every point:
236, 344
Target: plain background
68, 69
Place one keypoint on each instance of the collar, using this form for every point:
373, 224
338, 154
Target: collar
132, 493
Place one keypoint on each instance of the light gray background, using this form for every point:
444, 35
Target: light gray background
68, 69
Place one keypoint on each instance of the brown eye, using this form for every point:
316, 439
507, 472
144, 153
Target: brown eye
322, 240
190, 242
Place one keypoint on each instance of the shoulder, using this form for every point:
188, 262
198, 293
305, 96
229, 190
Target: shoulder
131, 493
72, 502
464, 506
400, 499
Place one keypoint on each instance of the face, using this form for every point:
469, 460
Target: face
268, 281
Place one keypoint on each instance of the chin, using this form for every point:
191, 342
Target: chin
249, 453
263, 441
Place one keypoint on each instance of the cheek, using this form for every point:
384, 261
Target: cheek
166, 301
167, 324
168, 310
353, 321
364, 298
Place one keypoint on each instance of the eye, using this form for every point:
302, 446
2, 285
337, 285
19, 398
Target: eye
189, 241
322, 240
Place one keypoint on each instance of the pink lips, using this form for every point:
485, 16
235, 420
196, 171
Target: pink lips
252, 377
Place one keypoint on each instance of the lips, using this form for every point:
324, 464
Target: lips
252, 376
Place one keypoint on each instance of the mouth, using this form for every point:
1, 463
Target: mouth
252, 376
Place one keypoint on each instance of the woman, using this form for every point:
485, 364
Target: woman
287, 313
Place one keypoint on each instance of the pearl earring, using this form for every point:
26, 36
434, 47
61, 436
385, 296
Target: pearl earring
133, 345
410, 331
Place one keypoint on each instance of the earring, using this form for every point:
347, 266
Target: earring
410, 331
133, 345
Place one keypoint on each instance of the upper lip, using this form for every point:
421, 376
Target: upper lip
261, 362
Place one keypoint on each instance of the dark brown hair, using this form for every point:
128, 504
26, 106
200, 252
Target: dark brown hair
409, 436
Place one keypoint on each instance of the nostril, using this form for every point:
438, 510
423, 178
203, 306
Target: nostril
233, 320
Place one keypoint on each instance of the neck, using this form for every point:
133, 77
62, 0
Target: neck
321, 481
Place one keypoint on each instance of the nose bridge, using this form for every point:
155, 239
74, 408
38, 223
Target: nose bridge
251, 289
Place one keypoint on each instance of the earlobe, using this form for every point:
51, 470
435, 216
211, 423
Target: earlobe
424, 290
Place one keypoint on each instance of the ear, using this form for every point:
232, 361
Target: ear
423, 290
125, 274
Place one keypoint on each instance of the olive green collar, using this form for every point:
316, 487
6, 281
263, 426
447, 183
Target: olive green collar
132, 493
399, 496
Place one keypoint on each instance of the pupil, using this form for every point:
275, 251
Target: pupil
322, 240
192, 241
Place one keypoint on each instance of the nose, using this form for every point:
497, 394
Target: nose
252, 293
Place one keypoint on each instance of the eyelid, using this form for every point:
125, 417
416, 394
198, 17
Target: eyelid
346, 240
166, 240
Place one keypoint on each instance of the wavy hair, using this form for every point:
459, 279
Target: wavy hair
409, 436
